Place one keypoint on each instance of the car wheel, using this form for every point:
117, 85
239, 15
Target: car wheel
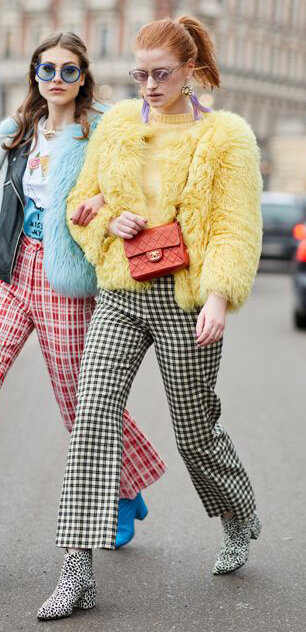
299, 320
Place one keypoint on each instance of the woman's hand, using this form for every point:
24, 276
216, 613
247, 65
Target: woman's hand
127, 225
211, 320
86, 211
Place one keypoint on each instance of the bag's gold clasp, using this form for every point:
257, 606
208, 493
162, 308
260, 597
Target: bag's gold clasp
155, 255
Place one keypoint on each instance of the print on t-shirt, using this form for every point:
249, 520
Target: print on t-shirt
33, 212
35, 187
33, 221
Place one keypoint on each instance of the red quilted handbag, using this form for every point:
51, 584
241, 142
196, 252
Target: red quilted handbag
155, 252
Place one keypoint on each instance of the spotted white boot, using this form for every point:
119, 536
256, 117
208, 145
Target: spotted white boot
235, 549
76, 587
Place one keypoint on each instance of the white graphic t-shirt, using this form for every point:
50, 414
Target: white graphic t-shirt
35, 181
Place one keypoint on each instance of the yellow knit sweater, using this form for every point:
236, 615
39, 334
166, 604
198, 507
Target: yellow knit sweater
164, 125
210, 182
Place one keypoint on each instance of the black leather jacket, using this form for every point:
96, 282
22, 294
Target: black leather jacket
11, 213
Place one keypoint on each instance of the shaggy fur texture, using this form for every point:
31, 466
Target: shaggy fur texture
7, 126
67, 270
211, 183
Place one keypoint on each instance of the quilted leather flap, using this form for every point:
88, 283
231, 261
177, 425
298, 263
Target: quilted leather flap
153, 238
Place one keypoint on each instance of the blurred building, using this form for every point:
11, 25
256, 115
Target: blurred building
261, 50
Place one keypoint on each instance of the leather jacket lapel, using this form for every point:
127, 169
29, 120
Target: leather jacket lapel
17, 163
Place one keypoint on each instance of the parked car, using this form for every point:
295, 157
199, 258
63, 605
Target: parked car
299, 280
284, 224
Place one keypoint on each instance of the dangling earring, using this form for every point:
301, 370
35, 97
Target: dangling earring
145, 110
187, 91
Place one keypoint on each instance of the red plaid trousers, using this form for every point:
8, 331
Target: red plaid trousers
61, 324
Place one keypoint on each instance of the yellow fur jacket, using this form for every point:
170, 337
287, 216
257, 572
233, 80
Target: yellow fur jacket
211, 184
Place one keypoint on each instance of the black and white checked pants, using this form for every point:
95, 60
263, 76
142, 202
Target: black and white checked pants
124, 325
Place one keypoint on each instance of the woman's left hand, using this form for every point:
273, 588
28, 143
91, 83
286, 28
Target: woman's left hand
86, 211
211, 320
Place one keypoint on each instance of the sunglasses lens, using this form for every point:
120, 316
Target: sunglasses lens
45, 72
139, 75
161, 74
70, 74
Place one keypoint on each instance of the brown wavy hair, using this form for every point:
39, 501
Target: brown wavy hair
188, 38
35, 105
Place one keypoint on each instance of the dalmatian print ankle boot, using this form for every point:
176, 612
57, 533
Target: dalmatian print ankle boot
76, 587
235, 549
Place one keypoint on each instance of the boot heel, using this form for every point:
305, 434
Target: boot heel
142, 509
88, 600
256, 528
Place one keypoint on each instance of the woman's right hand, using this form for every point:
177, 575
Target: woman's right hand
127, 225
86, 211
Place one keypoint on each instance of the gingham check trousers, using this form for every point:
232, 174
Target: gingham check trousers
123, 327
61, 324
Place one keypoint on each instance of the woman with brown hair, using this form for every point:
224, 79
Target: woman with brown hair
181, 182
45, 282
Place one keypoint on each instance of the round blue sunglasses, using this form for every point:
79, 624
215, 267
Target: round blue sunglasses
47, 72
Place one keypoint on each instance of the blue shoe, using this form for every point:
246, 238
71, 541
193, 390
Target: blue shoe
128, 511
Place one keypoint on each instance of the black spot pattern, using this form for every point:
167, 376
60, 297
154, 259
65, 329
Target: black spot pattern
76, 587
235, 548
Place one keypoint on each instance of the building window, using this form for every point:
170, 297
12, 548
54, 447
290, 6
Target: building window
239, 52
304, 64
249, 54
267, 59
103, 40
259, 54
269, 10
302, 16
252, 6
232, 6
8, 37
257, 9
292, 64
3, 108
131, 33
295, 7
231, 51
35, 33
284, 70
275, 61
299, 66
274, 11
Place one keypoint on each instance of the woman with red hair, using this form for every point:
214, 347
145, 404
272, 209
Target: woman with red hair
177, 178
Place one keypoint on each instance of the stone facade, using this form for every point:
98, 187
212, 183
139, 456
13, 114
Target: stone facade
261, 50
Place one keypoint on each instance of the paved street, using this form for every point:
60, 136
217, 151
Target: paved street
162, 581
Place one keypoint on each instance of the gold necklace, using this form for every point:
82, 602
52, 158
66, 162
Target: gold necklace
50, 132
